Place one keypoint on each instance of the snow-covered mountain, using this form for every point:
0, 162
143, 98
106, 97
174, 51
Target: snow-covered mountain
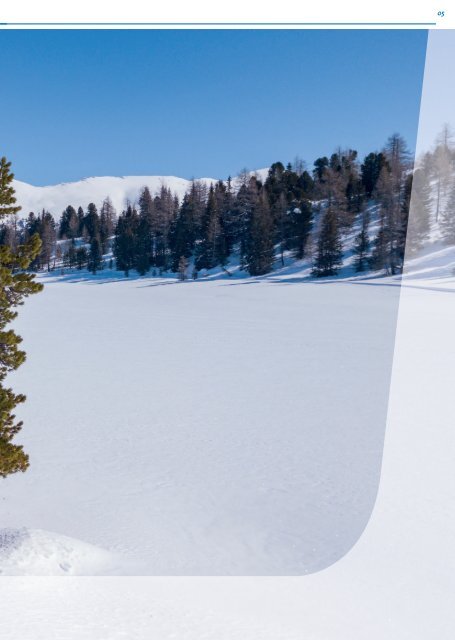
56, 198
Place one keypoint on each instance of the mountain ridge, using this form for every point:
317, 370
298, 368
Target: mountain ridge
120, 189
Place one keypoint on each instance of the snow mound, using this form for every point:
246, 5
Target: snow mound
34, 552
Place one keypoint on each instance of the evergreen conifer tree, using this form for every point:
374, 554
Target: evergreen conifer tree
320, 165
393, 199
301, 218
183, 230
91, 222
80, 221
362, 245
81, 256
95, 256
206, 257
329, 248
15, 285
422, 204
126, 240
68, 227
448, 218
370, 171
165, 211
182, 268
144, 243
72, 254
223, 240
106, 223
245, 201
228, 220
48, 235
260, 239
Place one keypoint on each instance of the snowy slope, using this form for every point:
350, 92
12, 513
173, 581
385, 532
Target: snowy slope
36, 552
120, 189
56, 198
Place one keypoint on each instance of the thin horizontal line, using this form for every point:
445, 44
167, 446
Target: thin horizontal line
227, 24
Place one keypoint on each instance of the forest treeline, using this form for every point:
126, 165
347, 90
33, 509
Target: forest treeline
294, 213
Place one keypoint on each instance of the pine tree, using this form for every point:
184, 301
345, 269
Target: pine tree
362, 245
274, 184
95, 256
81, 257
391, 194
382, 253
182, 268
329, 248
320, 165
259, 244
334, 187
143, 248
228, 220
245, 201
9, 233
126, 240
107, 221
144, 243
91, 223
69, 223
448, 218
281, 219
15, 285
48, 235
80, 222
278, 189
206, 255
417, 205
165, 211
70, 255
183, 231
442, 164
301, 219
370, 171
223, 238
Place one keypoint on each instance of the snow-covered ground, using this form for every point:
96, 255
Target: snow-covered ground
397, 581
36, 552
231, 426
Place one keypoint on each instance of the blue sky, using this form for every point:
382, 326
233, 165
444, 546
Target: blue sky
200, 103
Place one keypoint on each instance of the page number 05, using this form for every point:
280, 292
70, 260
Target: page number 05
441, 14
